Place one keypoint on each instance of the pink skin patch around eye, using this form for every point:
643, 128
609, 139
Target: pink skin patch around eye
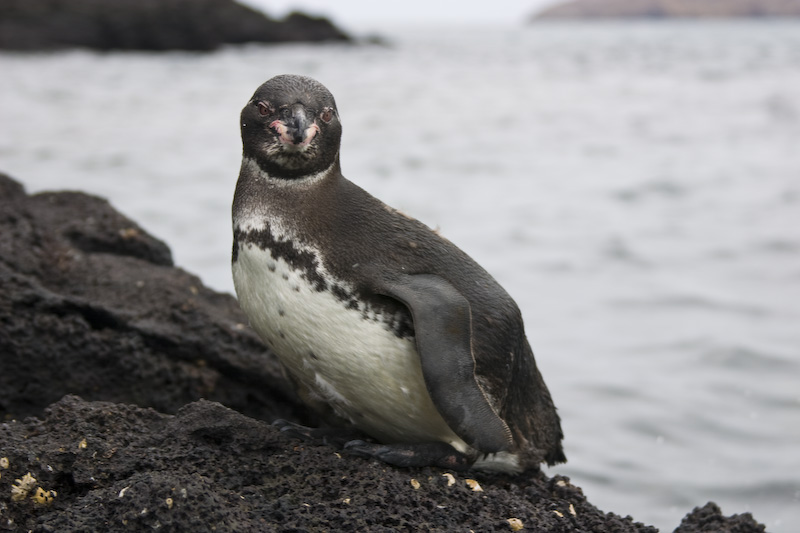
283, 133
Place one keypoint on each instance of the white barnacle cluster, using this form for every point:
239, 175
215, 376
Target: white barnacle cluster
23, 487
515, 524
3, 464
43, 497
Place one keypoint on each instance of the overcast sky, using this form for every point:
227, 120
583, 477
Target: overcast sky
360, 14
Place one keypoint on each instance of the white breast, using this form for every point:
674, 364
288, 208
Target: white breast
357, 365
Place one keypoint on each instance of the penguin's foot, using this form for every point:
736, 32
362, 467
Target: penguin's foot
411, 455
336, 437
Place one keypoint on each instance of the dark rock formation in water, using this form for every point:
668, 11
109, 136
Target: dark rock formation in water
655, 9
91, 304
149, 25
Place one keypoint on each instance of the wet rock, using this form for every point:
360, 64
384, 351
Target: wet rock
709, 519
149, 25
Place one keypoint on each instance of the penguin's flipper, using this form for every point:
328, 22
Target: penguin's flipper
443, 329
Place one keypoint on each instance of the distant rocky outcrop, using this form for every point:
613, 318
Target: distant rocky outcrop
149, 25
91, 304
657, 9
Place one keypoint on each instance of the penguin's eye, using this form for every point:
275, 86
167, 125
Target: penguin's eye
264, 109
327, 114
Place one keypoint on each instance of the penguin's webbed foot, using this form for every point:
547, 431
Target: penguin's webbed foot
411, 455
336, 437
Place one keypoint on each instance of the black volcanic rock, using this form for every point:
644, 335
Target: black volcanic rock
91, 304
119, 467
658, 9
149, 25
709, 519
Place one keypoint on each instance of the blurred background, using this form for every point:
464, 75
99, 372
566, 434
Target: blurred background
634, 184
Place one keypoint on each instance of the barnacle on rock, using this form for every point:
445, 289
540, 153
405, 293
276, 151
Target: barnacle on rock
515, 524
474, 485
44, 497
22, 486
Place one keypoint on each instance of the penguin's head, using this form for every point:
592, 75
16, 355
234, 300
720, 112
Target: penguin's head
291, 127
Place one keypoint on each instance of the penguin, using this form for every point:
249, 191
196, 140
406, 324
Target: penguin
381, 324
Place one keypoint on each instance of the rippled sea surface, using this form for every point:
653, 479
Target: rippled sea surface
635, 187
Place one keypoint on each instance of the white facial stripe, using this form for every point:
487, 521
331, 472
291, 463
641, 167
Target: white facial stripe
251, 166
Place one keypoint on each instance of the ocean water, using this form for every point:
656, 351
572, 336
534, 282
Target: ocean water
635, 187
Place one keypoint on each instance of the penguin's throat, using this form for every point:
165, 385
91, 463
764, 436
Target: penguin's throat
272, 173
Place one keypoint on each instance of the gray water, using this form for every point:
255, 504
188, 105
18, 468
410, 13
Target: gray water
635, 187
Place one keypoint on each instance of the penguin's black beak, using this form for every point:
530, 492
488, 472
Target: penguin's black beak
297, 125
